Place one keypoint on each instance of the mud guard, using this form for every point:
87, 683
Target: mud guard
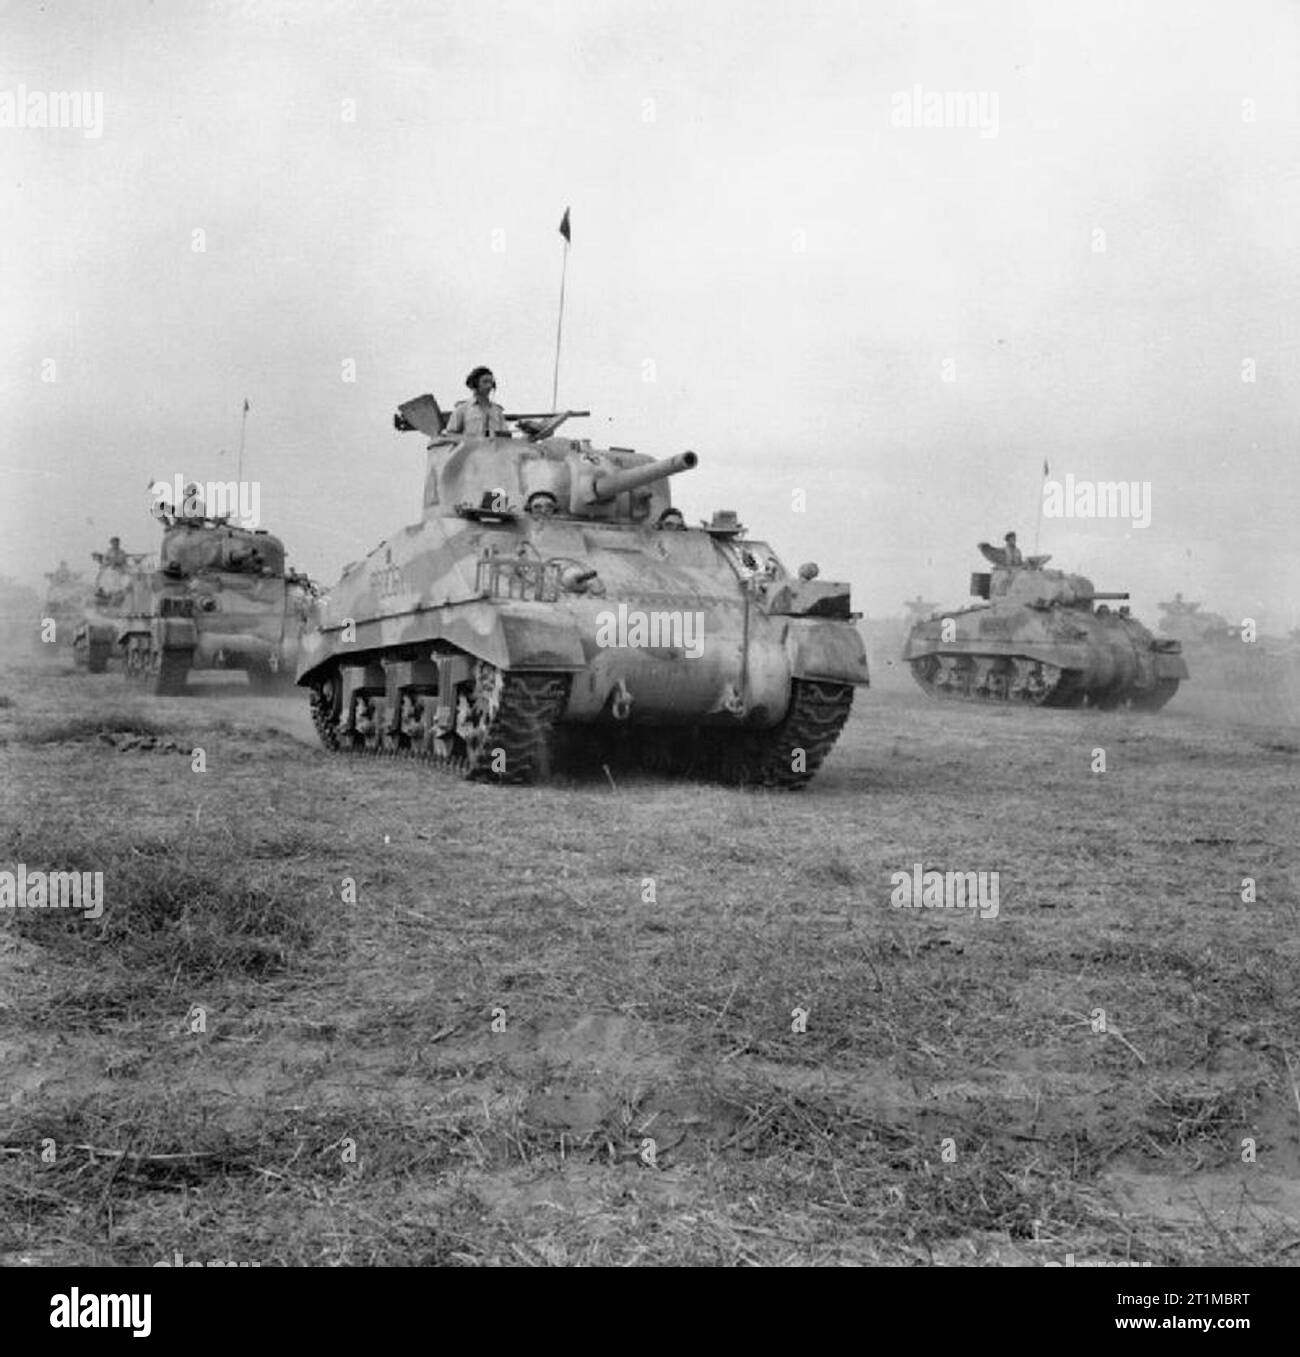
826, 650
513, 639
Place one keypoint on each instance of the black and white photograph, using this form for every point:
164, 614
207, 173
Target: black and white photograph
649, 633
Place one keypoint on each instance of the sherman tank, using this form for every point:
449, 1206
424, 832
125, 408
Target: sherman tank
551, 601
65, 599
1045, 638
95, 636
221, 598
1184, 620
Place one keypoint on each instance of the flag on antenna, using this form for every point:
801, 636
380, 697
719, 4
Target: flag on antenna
245, 404
1047, 471
564, 226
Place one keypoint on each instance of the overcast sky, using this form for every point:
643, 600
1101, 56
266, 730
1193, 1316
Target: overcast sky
765, 268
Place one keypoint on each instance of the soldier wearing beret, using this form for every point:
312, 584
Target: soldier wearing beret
480, 417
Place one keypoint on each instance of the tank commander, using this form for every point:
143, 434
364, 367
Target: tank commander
671, 520
480, 417
115, 556
1011, 552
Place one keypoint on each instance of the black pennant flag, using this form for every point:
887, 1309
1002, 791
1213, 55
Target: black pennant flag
564, 226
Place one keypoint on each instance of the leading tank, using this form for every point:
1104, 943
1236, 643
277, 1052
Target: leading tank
550, 596
221, 598
1045, 638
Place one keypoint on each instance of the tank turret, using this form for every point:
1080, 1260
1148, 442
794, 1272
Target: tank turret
550, 585
1043, 637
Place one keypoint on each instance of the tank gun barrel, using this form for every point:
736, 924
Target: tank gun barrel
606, 488
1111, 595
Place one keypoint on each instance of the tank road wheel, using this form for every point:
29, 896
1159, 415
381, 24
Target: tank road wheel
325, 705
925, 670
137, 659
1034, 682
789, 754
506, 721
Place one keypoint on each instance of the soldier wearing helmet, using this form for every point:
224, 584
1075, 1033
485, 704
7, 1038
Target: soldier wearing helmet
1011, 552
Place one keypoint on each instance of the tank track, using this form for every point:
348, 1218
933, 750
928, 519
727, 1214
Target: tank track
817, 713
765, 758
530, 705
514, 747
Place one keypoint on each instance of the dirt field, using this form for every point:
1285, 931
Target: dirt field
558, 1025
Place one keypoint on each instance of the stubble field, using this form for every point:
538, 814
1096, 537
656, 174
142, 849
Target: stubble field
559, 1025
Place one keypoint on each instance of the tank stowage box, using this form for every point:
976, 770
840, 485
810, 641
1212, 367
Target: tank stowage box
1044, 638
550, 587
220, 598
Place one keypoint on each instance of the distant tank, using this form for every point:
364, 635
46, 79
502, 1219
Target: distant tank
550, 590
20, 617
1044, 638
220, 598
65, 598
1184, 621
95, 636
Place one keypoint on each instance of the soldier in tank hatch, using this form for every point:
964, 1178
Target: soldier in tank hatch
1011, 552
480, 417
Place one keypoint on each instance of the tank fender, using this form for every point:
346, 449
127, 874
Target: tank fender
526, 636
1171, 667
826, 650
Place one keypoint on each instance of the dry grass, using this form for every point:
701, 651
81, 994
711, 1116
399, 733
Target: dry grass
465, 1066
